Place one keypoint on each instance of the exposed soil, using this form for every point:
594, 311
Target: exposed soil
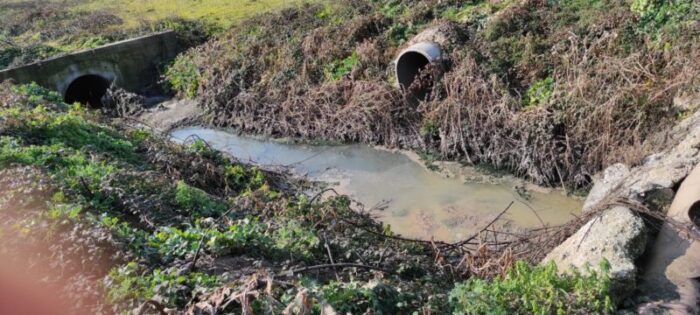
171, 114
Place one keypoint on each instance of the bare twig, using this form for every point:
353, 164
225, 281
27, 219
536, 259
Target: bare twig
338, 265
475, 235
196, 255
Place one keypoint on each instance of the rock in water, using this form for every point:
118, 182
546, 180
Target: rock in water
617, 235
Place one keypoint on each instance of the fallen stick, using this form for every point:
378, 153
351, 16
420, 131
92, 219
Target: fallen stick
341, 265
471, 238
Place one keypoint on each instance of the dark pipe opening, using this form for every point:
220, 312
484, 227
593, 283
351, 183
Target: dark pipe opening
87, 90
694, 214
408, 66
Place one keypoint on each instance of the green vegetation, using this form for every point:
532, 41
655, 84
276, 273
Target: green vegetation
197, 200
222, 12
339, 68
575, 65
127, 283
183, 76
355, 298
661, 17
535, 290
34, 30
475, 12
184, 225
539, 93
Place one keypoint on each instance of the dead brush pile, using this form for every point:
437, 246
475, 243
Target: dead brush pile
550, 90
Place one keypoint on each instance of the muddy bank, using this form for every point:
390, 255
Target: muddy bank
170, 114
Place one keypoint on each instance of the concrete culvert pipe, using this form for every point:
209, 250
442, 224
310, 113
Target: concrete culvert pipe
87, 90
674, 261
413, 59
694, 214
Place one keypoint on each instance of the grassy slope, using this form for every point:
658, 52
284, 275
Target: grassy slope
224, 13
33, 30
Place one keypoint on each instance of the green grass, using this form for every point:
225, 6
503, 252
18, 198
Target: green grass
33, 30
222, 12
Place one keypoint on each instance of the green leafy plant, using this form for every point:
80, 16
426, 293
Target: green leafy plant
355, 298
246, 233
339, 68
539, 93
536, 290
660, 17
129, 282
197, 201
297, 240
400, 32
245, 180
183, 76
392, 8
330, 14
68, 129
429, 129
37, 95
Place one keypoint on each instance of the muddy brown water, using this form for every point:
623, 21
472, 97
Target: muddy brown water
420, 203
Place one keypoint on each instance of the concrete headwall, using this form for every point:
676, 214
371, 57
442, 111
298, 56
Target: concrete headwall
131, 64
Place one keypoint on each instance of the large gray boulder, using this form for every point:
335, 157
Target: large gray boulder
617, 235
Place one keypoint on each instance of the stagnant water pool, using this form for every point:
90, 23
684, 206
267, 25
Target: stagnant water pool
421, 203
